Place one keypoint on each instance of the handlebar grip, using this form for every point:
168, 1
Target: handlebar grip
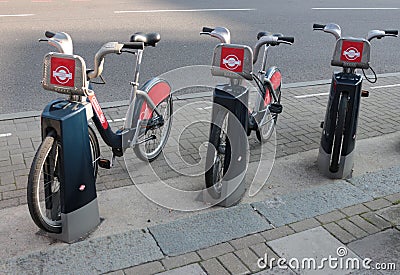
134, 45
207, 29
393, 32
289, 39
261, 34
318, 26
49, 34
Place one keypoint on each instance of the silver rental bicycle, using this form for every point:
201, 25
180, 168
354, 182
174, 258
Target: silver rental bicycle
147, 126
236, 63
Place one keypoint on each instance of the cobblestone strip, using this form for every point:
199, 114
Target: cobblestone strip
297, 131
240, 256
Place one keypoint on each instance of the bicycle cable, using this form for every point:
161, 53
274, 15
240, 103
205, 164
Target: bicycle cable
373, 79
100, 83
258, 81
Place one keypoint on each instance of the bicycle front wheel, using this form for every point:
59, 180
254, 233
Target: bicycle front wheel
338, 136
152, 138
43, 192
218, 154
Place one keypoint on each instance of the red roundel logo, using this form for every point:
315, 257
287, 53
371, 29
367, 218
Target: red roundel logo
62, 74
62, 71
352, 51
232, 59
231, 62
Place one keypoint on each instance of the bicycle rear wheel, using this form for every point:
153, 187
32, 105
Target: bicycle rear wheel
267, 124
218, 157
338, 136
43, 191
152, 139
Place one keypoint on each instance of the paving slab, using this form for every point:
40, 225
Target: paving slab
99, 255
391, 214
379, 184
276, 271
315, 244
382, 248
214, 267
193, 269
309, 203
204, 230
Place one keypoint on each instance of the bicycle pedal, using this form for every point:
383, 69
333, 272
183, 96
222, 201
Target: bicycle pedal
364, 93
275, 108
104, 163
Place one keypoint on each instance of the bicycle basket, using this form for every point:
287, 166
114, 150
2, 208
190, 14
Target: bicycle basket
64, 73
351, 53
233, 61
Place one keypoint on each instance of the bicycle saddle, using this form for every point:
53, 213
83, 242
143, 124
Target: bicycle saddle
149, 39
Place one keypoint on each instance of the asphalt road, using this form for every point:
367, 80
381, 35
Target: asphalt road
92, 23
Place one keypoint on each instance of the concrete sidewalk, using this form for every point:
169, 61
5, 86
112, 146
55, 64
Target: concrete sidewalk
355, 217
297, 214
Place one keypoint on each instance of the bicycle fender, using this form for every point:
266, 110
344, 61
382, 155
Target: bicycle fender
272, 80
158, 89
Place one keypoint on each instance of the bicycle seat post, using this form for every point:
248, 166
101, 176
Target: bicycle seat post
135, 82
264, 61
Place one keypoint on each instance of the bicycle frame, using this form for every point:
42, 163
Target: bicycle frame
142, 102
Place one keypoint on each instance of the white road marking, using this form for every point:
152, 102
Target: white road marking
16, 15
5, 135
310, 95
354, 8
193, 10
385, 86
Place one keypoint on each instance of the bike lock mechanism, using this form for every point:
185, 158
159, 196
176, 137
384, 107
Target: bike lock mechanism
79, 207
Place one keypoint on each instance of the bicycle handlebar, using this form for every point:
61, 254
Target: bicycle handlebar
336, 31
49, 34
61, 40
111, 47
207, 29
391, 32
318, 26
133, 45
289, 39
272, 40
221, 33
